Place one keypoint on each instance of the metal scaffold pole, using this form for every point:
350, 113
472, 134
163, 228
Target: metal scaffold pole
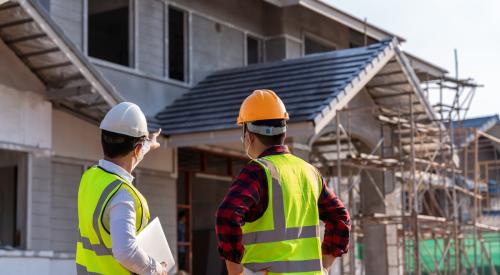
416, 232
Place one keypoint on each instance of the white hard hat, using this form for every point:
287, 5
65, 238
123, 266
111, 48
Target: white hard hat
125, 118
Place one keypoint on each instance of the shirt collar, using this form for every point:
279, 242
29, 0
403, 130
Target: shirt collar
275, 150
116, 169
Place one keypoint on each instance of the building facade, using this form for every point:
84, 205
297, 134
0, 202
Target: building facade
63, 63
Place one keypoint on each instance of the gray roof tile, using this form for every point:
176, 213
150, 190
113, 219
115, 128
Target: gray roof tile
305, 85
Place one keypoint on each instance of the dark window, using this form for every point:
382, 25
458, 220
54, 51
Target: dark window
254, 52
313, 46
176, 44
9, 233
109, 32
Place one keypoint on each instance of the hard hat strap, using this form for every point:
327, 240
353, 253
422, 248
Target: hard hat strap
265, 130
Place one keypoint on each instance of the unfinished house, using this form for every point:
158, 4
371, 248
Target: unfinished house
358, 112
479, 140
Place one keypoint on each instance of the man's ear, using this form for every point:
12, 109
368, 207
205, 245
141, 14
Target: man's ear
137, 149
251, 137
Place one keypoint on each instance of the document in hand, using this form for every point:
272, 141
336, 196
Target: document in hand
152, 240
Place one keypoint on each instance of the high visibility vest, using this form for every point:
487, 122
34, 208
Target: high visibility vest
93, 249
285, 240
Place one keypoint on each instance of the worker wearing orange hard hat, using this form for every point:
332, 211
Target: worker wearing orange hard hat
269, 220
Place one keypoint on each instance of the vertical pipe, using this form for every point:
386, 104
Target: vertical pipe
476, 191
403, 196
337, 129
416, 236
352, 260
339, 169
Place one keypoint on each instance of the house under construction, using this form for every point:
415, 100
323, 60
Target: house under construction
421, 180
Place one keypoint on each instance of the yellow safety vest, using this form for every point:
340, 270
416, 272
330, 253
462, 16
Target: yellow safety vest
285, 240
93, 249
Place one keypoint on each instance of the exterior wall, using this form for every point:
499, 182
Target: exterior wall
24, 115
20, 263
63, 206
216, 35
68, 14
152, 94
247, 15
215, 47
151, 37
160, 192
299, 21
40, 214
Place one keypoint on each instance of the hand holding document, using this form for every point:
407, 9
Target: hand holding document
152, 240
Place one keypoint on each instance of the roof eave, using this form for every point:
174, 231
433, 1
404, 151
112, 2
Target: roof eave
424, 66
302, 128
352, 89
336, 14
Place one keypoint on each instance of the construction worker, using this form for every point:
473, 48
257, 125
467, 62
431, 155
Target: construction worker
111, 211
268, 222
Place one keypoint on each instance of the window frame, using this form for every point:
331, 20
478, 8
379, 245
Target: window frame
186, 44
132, 43
260, 48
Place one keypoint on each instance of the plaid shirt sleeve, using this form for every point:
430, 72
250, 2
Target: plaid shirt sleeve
242, 203
337, 223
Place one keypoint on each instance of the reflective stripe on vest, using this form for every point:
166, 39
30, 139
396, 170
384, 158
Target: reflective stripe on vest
93, 250
306, 237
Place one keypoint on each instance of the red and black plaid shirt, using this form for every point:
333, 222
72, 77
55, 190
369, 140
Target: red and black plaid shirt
247, 200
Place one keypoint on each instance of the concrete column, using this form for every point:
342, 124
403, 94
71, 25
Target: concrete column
374, 240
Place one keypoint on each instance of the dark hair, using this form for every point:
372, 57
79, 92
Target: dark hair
270, 140
117, 145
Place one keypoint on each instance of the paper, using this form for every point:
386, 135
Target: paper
152, 240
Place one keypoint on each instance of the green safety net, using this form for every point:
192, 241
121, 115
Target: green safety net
431, 254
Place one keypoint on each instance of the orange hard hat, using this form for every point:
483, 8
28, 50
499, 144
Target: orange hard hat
262, 105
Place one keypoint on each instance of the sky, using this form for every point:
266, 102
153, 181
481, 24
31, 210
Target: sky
434, 28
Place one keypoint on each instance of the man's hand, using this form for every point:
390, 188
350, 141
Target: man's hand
328, 261
153, 143
165, 270
234, 268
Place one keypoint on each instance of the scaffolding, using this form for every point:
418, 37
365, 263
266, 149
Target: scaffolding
434, 164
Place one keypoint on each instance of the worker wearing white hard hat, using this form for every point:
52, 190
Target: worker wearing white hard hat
111, 211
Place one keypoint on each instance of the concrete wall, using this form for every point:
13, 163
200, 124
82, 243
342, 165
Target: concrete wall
64, 206
41, 195
24, 115
299, 21
160, 190
150, 93
151, 26
68, 14
24, 264
215, 47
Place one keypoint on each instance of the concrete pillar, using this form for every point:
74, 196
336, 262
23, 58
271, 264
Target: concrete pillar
374, 240
381, 249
